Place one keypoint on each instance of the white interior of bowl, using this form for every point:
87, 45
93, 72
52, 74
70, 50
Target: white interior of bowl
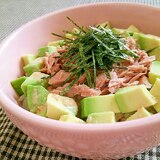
37, 33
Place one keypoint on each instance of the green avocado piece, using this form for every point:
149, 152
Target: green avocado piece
16, 84
118, 31
102, 117
147, 42
132, 29
155, 91
56, 108
70, 118
127, 32
28, 58
36, 97
135, 36
98, 104
56, 43
67, 102
37, 78
141, 113
48, 49
73, 109
131, 98
121, 32
155, 52
154, 72
34, 66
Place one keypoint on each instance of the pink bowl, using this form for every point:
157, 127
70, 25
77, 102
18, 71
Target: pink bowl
102, 141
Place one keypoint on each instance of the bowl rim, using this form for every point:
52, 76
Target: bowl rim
6, 103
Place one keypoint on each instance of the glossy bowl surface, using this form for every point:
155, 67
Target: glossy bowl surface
98, 141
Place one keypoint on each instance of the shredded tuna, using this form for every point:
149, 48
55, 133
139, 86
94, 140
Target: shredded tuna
144, 80
55, 68
115, 82
51, 63
82, 79
82, 90
123, 73
134, 71
101, 80
147, 60
59, 78
126, 79
131, 43
105, 91
135, 78
137, 68
130, 84
141, 53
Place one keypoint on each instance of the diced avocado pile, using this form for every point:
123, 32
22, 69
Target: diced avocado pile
129, 102
126, 100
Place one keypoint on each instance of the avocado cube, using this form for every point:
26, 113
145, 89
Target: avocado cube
154, 72
48, 49
16, 84
72, 109
155, 52
155, 91
36, 97
28, 58
102, 117
131, 98
125, 34
37, 78
118, 31
141, 113
71, 119
56, 43
55, 108
121, 32
98, 104
132, 29
135, 36
34, 66
147, 42
67, 102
